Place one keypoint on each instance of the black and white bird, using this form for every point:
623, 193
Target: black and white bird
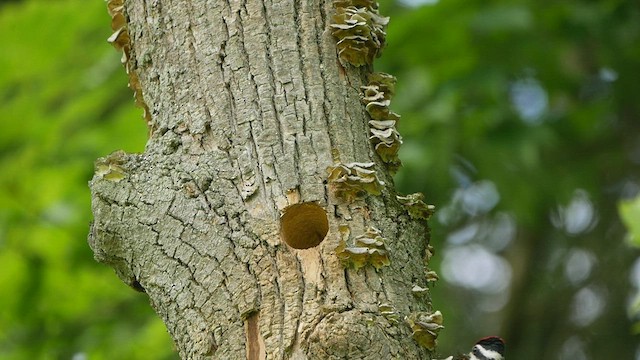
489, 348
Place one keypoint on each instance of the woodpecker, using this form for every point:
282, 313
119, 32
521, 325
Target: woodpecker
489, 348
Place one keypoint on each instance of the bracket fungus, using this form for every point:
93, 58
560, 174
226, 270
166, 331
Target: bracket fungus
369, 4
354, 179
385, 138
121, 40
360, 31
368, 249
386, 83
386, 141
418, 290
428, 253
304, 225
425, 327
432, 276
389, 312
415, 205
110, 167
377, 94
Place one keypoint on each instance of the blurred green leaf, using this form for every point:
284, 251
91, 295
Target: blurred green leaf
65, 102
630, 213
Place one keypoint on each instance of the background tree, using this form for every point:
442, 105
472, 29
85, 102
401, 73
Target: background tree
463, 68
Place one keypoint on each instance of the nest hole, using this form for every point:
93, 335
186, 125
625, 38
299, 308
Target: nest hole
304, 225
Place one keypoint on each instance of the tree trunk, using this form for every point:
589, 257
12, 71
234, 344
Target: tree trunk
248, 106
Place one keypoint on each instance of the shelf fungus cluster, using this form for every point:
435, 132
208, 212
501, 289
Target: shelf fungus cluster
389, 312
382, 127
111, 167
425, 327
430, 275
416, 207
367, 249
121, 40
354, 179
359, 30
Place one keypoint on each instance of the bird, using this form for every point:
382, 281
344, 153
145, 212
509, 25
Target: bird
488, 348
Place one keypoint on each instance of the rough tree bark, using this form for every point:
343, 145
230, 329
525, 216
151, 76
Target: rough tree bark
248, 105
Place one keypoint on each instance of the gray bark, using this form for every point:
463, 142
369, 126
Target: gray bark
248, 101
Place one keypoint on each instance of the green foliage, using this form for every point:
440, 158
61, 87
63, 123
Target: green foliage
538, 100
64, 104
630, 214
